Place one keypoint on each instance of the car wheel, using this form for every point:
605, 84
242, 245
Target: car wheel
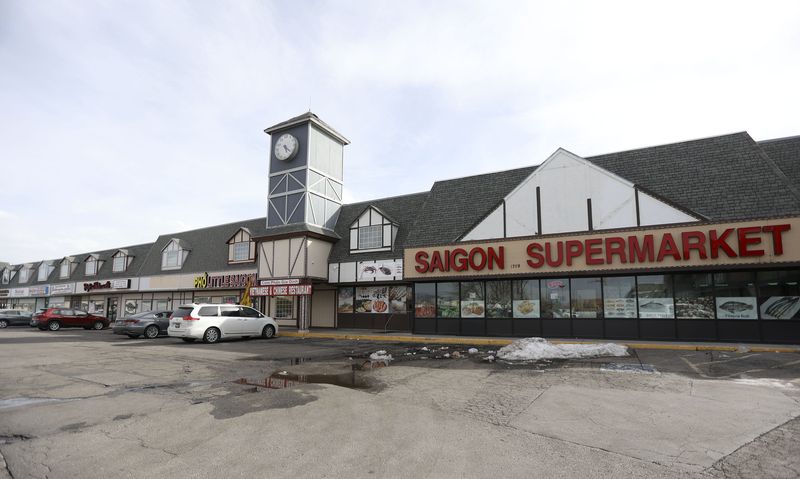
188, 340
151, 332
53, 325
268, 331
98, 325
3, 323
211, 336
133, 336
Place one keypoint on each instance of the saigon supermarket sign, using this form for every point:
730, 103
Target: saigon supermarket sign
742, 243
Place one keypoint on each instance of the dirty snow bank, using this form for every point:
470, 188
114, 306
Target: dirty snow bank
533, 349
775, 383
380, 356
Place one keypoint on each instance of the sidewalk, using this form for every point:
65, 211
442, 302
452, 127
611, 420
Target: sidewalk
408, 337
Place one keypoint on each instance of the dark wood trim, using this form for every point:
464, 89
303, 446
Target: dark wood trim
505, 234
538, 211
589, 212
636, 197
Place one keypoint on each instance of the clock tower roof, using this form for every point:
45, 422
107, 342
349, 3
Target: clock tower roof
308, 117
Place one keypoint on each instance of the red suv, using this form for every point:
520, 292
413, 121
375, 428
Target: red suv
57, 318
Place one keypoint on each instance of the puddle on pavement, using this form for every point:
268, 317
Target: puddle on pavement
284, 380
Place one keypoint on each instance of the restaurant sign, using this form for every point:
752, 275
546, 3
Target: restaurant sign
111, 284
230, 281
762, 242
282, 290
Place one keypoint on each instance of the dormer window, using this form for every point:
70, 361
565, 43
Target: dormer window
6, 276
174, 254
91, 266
65, 269
44, 271
241, 247
120, 261
373, 231
24, 274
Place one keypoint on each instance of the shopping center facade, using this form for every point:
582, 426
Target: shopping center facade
697, 240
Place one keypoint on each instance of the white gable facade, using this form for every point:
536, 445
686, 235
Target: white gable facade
568, 194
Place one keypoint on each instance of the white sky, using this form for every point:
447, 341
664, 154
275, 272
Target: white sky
120, 121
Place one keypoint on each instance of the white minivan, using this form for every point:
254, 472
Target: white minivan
213, 322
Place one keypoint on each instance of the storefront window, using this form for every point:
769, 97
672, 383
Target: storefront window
425, 300
230, 299
655, 296
97, 307
498, 299
555, 298
472, 300
145, 305
619, 293
399, 296
162, 304
284, 307
447, 303
779, 294
345, 300
694, 296
525, 300
736, 295
586, 298
202, 299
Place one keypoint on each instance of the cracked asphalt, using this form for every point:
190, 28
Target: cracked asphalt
90, 404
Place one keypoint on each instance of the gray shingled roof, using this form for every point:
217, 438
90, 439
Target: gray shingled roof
209, 248
455, 205
297, 228
785, 152
722, 178
401, 209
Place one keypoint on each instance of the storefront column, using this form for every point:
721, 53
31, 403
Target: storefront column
303, 313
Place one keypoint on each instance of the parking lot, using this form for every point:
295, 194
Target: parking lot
77, 403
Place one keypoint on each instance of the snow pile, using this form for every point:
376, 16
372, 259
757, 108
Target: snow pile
473, 350
380, 356
534, 349
774, 383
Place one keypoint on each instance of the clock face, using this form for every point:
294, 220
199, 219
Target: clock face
286, 147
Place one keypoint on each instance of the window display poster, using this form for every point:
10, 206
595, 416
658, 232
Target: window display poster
780, 307
386, 270
398, 298
526, 308
742, 307
130, 306
373, 299
655, 308
620, 307
345, 300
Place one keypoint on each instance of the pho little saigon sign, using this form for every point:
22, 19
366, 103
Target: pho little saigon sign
762, 242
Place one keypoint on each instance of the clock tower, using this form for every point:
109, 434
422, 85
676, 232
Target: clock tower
305, 174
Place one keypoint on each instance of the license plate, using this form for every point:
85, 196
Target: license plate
177, 325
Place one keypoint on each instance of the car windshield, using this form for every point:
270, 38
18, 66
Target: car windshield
182, 312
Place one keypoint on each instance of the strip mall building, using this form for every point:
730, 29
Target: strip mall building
698, 240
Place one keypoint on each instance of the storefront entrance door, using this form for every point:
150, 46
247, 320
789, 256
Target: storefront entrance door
112, 309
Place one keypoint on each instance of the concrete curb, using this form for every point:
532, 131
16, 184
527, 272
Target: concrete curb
504, 342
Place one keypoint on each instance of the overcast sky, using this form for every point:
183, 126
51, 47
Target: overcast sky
120, 121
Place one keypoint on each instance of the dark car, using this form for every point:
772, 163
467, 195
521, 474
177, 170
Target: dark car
151, 324
14, 317
57, 318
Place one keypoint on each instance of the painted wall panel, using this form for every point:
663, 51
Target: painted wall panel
333, 273
318, 252
654, 212
282, 254
490, 227
521, 211
298, 257
347, 272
